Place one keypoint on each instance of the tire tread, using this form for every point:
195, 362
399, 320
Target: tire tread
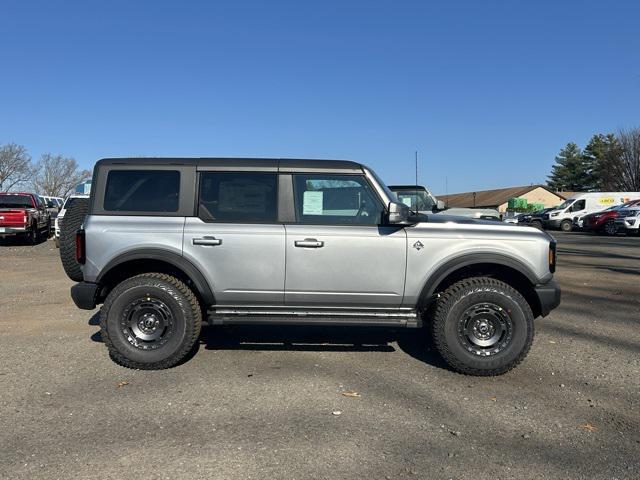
445, 304
187, 344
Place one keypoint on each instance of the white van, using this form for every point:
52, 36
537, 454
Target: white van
582, 204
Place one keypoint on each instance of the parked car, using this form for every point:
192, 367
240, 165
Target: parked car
24, 214
604, 221
52, 208
249, 241
583, 204
420, 200
533, 219
67, 203
628, 221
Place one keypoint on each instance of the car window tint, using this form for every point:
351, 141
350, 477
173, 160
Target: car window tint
238, 197
142, 191
579, 205
336, 199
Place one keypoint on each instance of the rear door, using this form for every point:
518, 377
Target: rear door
236, 239
338, 252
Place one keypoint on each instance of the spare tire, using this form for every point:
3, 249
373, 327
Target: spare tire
75, 211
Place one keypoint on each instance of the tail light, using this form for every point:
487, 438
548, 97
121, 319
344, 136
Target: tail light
80, 247
25, 219
552, 256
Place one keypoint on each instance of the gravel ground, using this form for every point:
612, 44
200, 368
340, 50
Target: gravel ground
263, 403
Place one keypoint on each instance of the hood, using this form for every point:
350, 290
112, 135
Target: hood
459, 219
471, 226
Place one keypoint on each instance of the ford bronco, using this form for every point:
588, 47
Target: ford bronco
165, 243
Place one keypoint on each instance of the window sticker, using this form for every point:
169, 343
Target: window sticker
312, 203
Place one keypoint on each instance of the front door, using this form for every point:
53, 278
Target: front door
338, 253
236, 240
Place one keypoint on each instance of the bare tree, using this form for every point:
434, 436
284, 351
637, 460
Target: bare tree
628, 166
57, 176
15, 166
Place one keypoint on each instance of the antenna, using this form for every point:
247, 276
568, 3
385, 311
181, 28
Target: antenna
416, 168
446, 190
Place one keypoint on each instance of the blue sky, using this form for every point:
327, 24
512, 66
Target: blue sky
487, 92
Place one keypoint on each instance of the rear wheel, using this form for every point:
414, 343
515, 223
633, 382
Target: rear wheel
69, 225
33, 236
482, 326
150, 321
566, 226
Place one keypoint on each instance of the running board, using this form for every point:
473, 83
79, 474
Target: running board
327, 317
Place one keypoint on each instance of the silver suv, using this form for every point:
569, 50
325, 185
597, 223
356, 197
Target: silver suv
169, 242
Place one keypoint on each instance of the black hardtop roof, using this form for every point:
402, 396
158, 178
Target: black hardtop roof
407, 187
264, 164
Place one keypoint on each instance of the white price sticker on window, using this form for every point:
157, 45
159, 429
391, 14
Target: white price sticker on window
312, 203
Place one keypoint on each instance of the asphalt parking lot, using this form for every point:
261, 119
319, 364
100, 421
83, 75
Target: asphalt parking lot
263, 403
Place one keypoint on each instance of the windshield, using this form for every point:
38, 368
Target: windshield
416, 200
15, 201
566, 203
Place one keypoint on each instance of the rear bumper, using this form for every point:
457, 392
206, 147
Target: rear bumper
12, 230
549, 296
84, 295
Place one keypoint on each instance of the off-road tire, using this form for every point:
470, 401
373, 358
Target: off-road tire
69, 225
566, 226
186, 314
461, 296
32, 236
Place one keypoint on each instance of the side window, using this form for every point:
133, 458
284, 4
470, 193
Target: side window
142, 191
578, 206
336, 200
238, 197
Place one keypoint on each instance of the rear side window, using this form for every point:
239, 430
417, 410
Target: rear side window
142, 191
234, 197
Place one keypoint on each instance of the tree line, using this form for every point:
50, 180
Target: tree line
52, 175
609, 162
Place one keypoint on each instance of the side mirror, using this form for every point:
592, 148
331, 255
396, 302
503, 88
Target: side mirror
398, 212
439, 206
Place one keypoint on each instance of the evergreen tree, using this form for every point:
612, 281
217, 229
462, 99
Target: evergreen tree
602, 156
571, 173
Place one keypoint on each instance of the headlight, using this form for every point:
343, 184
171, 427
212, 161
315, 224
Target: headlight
554, 214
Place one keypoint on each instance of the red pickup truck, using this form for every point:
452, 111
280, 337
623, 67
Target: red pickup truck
24, 214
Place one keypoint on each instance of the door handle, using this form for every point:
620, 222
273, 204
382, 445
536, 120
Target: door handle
309, 243
210, 241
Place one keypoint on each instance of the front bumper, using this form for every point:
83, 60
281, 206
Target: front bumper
84, 295
628, 223
549, 296
552, 223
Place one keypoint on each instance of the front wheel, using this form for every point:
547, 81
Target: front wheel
482, 326
150, 321
566, 226
610, 228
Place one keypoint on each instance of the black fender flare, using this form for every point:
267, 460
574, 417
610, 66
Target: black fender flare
467, 260
174, 259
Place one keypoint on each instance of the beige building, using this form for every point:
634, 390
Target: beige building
499, 198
